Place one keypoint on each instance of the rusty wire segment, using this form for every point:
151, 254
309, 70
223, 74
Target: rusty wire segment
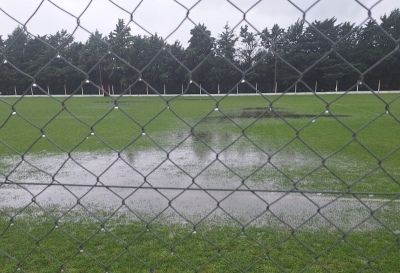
261, 199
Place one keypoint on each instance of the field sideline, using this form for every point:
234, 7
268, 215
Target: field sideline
78, 94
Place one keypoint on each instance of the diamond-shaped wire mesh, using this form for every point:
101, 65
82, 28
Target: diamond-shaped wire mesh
264, 148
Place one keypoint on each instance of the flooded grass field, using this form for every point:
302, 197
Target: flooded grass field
295, 166
180, 189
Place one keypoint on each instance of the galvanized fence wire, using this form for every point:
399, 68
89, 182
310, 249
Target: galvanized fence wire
362, 198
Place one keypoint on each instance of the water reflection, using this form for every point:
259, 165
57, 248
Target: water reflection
206, 144
123, 182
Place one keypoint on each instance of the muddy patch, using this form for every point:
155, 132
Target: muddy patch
266, 112
122, 102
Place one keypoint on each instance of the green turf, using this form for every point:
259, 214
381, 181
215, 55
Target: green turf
354, 147
350, 147
67, 122
38, 244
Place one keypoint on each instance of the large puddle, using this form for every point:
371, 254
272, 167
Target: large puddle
183, 186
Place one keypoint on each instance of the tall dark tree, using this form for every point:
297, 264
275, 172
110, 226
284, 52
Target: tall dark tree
319, 38
61, 40
120, 38
368, 45
200, 46
288, 44
174, 59
38, 58
272, 41
159, 67
65, 55
90, 58
14, 54
389, 46
117, 69
226, 43
249, 48
1, 44
199, 54
224, 71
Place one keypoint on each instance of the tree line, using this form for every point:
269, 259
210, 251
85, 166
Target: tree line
333, 54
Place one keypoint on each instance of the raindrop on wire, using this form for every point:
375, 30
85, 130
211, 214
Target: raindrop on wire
14, 113
116, 107
216, 109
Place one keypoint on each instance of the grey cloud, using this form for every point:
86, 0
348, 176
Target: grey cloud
164, 16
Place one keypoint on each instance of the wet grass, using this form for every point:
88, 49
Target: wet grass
332, 143
268, 121
326, 143
41, 244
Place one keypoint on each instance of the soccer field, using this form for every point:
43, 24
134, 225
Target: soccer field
355, 137
256, 183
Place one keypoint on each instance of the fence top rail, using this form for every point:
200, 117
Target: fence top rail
212, 94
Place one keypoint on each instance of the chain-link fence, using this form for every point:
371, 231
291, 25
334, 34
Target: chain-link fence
272, 146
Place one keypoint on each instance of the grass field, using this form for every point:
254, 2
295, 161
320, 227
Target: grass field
336, 145
357, 140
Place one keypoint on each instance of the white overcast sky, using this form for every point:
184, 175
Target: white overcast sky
164, 16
